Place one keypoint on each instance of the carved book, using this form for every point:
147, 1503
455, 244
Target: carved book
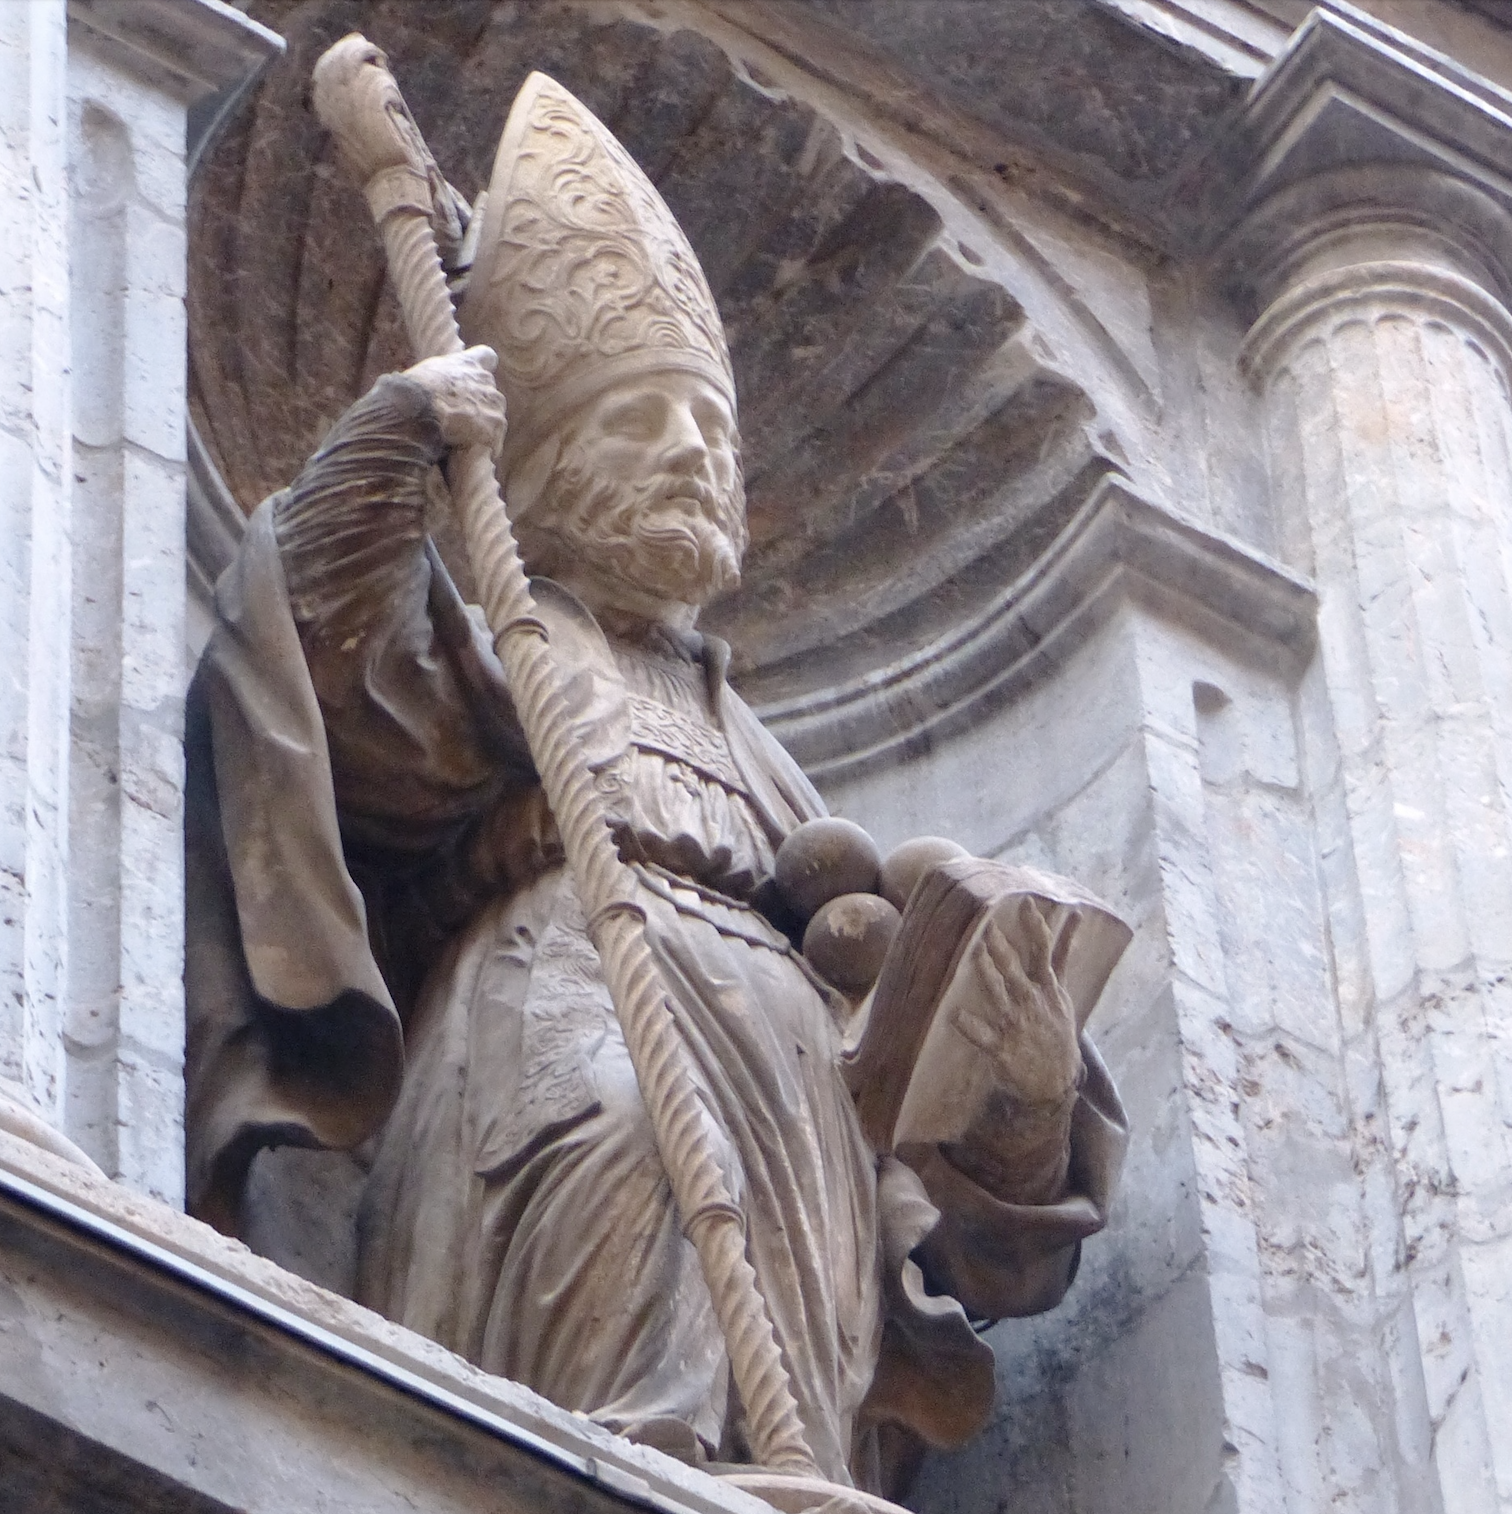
919, 1075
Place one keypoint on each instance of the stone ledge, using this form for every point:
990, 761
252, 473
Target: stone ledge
202, 45
1231, 33
198, 1350
1350, 95
1117, 547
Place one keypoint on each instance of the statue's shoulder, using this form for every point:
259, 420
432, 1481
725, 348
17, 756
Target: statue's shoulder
578, 638
779, 785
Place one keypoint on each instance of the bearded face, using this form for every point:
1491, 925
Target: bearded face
645, 490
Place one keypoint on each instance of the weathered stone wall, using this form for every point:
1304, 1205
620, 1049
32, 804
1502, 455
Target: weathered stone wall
91, 1032
124, 1022
37, 487
1162, 767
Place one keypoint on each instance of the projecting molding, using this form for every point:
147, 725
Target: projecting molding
1345, 91
1118, 549
202, 45
200, 1348
1352, 113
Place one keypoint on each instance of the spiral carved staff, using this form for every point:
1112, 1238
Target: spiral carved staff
357, 99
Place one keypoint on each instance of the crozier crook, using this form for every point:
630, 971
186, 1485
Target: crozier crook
357, 99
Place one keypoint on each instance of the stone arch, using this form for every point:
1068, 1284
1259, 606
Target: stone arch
914, 441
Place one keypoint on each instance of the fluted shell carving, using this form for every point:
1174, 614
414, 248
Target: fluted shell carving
583, 275
904, 456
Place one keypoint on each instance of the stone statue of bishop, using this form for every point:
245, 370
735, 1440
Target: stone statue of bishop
386, 951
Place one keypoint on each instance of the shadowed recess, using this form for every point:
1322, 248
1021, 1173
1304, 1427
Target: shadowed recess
903, 448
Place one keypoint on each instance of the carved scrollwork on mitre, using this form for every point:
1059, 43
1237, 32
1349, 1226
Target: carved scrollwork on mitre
582, 272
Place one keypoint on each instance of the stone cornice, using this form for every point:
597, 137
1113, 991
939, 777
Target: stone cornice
104, 1256
200, 46
1119, 548
1348, 89
1354, 118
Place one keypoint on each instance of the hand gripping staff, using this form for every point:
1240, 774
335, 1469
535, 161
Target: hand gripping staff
358, 101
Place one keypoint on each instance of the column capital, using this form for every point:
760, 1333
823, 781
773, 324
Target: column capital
1360, 145
1414, 287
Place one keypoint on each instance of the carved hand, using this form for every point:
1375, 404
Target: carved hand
1020, 1017
467, 403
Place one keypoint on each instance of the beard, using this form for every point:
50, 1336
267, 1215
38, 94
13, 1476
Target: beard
667, 535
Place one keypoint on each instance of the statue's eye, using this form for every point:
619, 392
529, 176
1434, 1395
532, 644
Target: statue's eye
636, 420
713, 425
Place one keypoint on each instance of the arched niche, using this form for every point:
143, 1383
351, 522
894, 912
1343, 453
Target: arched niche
914, 442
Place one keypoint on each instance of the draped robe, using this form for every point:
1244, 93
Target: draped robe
383, 938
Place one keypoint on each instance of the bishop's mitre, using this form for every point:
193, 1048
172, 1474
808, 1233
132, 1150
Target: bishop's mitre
582, 277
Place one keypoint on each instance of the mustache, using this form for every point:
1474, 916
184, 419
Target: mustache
665, 489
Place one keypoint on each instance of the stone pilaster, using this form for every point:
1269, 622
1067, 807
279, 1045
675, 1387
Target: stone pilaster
94, 96
35, 493
1383, 356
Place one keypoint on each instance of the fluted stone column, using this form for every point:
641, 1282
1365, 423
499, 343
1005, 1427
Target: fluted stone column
1383, 355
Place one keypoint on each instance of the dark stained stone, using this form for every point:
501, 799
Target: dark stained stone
1048, 64
1108, 99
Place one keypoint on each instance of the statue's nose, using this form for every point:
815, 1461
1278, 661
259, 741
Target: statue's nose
684, 447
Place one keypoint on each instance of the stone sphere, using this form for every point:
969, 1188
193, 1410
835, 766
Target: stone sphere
823, 859
848, 938
908, 864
